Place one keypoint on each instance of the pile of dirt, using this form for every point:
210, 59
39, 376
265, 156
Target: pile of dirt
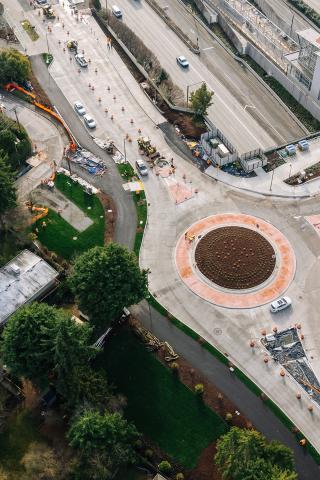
235, 257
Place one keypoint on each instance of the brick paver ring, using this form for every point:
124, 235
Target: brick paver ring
235, 260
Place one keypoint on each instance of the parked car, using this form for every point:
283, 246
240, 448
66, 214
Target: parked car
280, 304
142, 168
27, 85
42, 2
81, 60
116, 11
183, 62
79, 108
89, 121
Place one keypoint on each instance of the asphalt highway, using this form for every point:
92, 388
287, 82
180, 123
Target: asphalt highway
243, 109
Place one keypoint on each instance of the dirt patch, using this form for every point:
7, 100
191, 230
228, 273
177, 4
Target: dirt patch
110, 213
41, 95
235, 257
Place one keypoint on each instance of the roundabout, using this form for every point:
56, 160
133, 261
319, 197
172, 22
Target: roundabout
235, 260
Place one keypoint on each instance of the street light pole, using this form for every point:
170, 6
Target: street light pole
15, 111
271, 180
124, 150
290, 170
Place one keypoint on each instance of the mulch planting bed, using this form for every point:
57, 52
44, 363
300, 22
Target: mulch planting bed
235, 257
110, 213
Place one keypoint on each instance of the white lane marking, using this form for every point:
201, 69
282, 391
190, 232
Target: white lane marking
207, 48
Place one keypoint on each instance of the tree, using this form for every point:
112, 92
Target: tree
97, 4
28, 341
14, 66
201, 100
106, 437
246, 454
105, 280
8, 195
72, 350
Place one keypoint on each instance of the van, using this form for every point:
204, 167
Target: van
116, 11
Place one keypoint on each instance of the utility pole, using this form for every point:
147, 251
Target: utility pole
15, 111
291, 25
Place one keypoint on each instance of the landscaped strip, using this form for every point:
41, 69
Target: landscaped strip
31, 31
59, 236
155, 393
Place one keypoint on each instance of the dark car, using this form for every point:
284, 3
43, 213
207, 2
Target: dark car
27, 85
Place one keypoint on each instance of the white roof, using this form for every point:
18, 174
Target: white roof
20, 281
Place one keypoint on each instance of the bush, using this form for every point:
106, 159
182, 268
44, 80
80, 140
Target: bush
228, 417
174, 367
148, 453
165, 467
179, 476
199, 389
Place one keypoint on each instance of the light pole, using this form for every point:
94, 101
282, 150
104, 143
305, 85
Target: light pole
290, 170
192, 85
271, 180
124, 150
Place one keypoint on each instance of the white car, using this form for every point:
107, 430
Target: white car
116, 11
81, 60
79, 108
89, 121
141, 166
183, 62
280, 304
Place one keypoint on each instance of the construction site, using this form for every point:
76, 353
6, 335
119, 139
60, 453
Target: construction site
286, 348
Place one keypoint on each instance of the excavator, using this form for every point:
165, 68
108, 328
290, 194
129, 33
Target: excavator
307, 384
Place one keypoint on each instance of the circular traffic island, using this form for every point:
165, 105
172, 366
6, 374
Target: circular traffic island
235, 257
235, 260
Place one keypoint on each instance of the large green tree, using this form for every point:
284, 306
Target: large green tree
14, 66
28, 341
106, 279
8, 195
201, 100
104, 439
246, 455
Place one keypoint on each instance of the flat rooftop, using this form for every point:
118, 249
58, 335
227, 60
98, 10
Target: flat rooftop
21, 280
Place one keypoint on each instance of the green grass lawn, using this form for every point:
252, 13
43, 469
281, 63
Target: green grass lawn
59, 234
161, 407
31, 31
141, 207
14, 442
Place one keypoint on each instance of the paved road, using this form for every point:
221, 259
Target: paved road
217, 373
243, 109
111, 182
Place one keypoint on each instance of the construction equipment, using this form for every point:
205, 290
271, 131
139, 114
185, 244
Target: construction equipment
13, 86
146, 148
72, 45
48, 12
43, 212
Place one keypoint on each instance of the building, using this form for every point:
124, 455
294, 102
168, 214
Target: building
305, 64
24, 279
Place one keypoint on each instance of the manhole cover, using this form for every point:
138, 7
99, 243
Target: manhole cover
217, 331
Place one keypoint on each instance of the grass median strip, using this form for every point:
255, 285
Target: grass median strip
30, 29
154, 393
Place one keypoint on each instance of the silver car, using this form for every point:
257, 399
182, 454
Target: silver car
81, 60
79, 108
280, 304
141, 167
183, 62
89, 121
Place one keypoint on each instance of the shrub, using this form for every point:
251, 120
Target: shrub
165, 466
174, 367
229, 417
199, 389
179, 476
148, 453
